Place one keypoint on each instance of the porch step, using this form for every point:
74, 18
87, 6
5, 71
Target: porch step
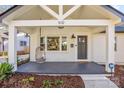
82, 75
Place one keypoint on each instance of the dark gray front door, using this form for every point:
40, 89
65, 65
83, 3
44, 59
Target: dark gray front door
82, 47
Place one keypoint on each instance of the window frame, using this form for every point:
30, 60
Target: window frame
60, 43
42, 42
115, 44
23, 43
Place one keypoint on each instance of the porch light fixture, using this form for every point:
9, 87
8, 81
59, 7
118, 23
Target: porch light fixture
73, 36
61, 27
60, 22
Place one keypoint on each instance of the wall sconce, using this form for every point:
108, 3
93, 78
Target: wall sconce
73, 36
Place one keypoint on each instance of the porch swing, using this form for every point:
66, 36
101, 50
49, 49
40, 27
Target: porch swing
40, 54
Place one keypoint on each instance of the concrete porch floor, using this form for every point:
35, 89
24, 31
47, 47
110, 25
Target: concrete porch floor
62, 68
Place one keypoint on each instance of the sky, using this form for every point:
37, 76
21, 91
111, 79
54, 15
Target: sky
5, 7
119, 7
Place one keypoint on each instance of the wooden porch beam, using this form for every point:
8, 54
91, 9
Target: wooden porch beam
87, 22
69, 12
50, 11
60, 12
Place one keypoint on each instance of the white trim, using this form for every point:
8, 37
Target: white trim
60, 43
50, 11
79, 60
69, 12
60, 12
86, 22
45, 43
12, 54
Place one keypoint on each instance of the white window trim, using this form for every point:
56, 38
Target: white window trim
60, 43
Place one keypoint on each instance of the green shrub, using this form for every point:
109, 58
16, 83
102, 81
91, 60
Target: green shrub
58, 83
47, 84
5, 70
31, 78
27, 80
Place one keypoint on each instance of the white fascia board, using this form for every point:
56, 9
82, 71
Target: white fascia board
88, 22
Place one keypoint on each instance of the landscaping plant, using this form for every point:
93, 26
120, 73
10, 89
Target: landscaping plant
5, 70
27, 80
58, 83
47, 84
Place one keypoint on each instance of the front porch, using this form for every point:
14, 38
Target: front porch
55, 29
62, 68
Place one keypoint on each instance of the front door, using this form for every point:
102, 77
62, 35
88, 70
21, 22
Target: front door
82, 47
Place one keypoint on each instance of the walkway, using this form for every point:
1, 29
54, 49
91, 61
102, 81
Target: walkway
97, 81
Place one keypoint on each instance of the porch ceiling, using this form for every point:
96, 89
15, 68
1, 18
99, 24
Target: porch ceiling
92, 29
31, 12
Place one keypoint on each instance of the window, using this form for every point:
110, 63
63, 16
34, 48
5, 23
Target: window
64, 43
42, 43
53, 43
23, 43
115, 47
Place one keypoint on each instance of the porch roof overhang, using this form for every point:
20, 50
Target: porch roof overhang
114, 11
107, 7
106, 18
9, 11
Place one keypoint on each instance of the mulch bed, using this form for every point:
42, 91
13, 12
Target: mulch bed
118, 77
15, 81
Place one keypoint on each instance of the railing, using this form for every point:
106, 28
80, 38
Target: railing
18, 53
3, 53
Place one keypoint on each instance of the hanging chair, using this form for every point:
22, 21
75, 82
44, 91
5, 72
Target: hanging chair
40, 55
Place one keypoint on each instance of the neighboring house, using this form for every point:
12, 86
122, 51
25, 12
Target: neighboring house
3, 37
22, 42
68, 33
22, 46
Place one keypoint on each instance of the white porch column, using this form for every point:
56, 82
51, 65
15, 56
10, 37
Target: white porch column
34, 43
12, 54
110, 53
